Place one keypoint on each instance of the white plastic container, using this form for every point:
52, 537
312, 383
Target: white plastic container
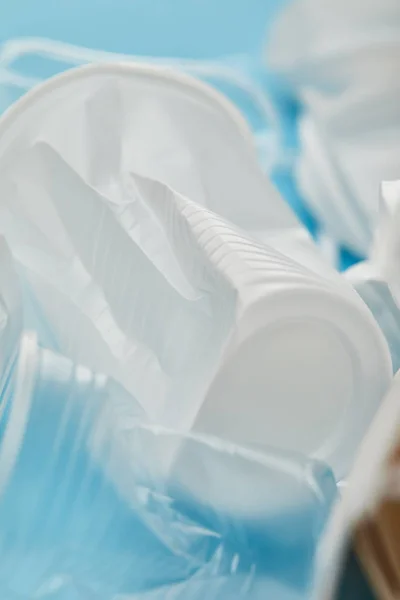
340, 61
159, 254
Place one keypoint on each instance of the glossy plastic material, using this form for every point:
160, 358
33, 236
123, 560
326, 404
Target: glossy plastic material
123, 191
24, 62
97, 502
340, 59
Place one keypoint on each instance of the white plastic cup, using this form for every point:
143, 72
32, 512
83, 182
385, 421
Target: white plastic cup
160, 255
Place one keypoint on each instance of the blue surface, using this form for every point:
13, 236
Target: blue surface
185, 28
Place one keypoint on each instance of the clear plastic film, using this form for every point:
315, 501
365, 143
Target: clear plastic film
98, 502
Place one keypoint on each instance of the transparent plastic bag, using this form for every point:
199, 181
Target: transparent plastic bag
98, 502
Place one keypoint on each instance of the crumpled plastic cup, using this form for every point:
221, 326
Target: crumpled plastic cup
97, 502
340, 60
160, 255
233, 76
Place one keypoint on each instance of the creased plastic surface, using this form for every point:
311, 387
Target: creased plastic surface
271, 115
98, 503
158, 253
340, 59
24, 62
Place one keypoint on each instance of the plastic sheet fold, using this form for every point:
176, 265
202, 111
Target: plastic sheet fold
98, 502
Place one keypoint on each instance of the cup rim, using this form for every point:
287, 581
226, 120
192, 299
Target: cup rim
125, 69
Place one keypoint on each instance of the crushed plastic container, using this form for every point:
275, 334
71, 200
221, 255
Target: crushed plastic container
158, 253
340, 60
96, 501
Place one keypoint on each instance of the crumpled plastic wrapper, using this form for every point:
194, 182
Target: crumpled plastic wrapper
96, 501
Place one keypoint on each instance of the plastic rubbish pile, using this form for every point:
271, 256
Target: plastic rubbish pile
187, 369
